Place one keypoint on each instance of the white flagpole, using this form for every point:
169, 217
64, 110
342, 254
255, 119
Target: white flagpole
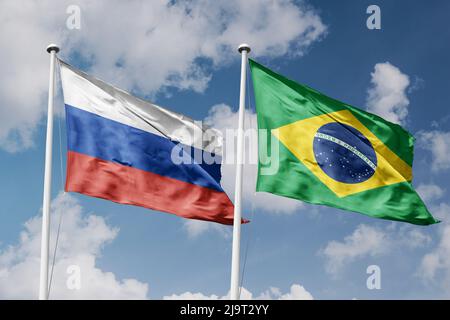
45, 240
244, 49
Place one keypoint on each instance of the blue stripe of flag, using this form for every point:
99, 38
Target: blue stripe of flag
109, 140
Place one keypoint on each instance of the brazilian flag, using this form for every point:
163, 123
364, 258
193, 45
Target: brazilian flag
331, 153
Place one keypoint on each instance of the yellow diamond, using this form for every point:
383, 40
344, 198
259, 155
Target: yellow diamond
298, 138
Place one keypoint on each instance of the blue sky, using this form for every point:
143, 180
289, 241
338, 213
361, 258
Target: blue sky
194, 67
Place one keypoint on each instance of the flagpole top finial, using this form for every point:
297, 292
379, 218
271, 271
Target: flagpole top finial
244, 47
52, 47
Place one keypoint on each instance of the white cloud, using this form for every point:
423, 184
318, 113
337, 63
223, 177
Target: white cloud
438, 143
191, 296
430, 192
435, 265
25, 31
364, 241
441, 211
81, 241
387, 96
194, 228
296, 292
140, 45
368, 241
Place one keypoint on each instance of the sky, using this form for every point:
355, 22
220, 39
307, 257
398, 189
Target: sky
182, 55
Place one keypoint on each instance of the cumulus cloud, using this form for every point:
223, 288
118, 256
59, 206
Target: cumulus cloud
25, 31
144, 46
435, 265
368, 241
364, 241
296, 292
387, 95
430, 192
194, 228
81, 241
438, 143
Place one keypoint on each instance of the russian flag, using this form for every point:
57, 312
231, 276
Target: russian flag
127, 150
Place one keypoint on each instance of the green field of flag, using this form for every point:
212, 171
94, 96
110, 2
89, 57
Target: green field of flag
333, 154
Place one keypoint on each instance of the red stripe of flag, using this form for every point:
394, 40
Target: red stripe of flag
119, 183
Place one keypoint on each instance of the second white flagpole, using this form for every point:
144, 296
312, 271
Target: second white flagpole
244, 49
45, 238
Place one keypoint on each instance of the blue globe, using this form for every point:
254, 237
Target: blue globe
344, 153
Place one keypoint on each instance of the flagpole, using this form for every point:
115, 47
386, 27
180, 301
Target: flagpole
244, 49
45, 238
